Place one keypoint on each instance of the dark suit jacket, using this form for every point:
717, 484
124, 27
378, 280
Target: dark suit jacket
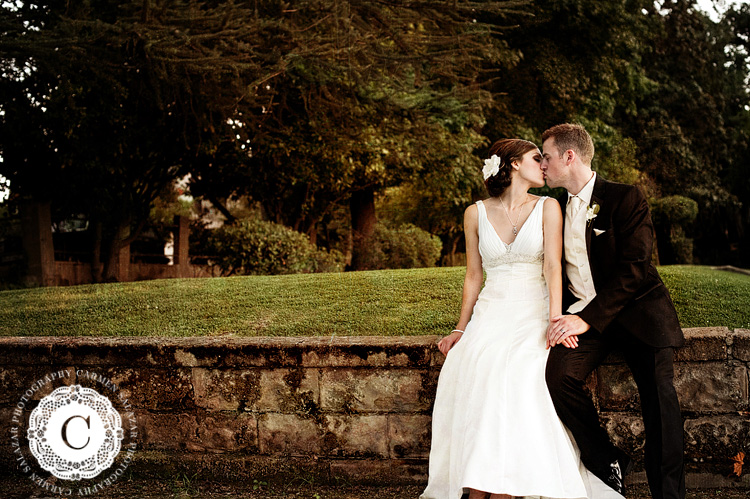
629, 290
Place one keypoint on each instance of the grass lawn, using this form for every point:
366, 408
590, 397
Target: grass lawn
388, 303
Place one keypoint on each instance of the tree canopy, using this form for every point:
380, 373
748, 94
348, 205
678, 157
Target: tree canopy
320, 111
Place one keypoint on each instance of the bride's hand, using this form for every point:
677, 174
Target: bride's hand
568, 341
447, 343
563, 327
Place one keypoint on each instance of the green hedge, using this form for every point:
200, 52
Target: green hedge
403, 247
257, 247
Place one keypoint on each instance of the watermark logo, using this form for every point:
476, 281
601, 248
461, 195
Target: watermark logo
75, 433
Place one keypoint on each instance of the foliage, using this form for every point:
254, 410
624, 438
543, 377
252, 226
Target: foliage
581, 62
385, 302
300, 108
435, 201
673, 218
170, 205
320, 109
402, 247
692, 128
253, 247
363, 96
113, 100
674, 210
159, 228
621, 165
661, 88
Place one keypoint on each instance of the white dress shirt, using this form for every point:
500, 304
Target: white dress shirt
580, 282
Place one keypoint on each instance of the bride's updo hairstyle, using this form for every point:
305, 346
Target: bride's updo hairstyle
508, 150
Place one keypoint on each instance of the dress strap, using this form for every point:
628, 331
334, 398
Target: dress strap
481, 210
541, 200
483, 223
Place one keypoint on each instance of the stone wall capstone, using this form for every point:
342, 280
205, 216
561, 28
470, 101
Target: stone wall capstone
354, 408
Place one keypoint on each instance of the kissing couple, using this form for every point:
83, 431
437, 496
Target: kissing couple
568, 281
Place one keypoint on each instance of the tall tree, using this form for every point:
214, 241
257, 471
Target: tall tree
661, 88
366, 95
304, 107
692, 129
581, 61
105, 103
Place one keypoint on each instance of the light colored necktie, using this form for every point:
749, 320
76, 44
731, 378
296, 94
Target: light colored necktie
576, 205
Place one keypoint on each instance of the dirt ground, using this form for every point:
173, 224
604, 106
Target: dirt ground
182, 487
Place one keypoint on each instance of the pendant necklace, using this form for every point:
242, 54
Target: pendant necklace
507, 214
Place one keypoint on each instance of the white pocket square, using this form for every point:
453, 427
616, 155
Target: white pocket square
599, 232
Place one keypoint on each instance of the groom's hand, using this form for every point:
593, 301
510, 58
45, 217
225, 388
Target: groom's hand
564, 329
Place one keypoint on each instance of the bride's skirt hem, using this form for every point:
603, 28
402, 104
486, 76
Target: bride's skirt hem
513, 495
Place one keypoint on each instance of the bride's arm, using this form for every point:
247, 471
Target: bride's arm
552, 224
473, 279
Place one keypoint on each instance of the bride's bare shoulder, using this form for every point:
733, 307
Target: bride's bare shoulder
552, 208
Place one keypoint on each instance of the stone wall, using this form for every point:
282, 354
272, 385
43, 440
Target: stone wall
355, 408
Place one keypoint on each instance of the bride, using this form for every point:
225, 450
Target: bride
495, 432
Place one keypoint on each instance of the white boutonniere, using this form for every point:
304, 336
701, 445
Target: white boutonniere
491, 166
591, 212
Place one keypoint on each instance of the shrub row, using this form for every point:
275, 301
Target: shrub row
257, 247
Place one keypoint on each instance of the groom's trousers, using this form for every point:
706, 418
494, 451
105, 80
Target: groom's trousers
653, 372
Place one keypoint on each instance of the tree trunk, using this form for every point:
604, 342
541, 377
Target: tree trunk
109, 262
362, 207
111, 258
454, 248
230, 219
96, 257
117, 258
312, 233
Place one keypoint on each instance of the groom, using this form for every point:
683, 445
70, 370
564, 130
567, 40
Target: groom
615, 301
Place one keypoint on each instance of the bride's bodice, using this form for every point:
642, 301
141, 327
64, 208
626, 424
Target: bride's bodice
514, 270
528, 246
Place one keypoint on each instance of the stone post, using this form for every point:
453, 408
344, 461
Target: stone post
122, 259
181, 245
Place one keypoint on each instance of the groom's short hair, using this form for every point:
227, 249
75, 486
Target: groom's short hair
572, 136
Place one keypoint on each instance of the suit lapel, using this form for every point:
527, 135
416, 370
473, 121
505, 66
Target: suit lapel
563, 200
597, 197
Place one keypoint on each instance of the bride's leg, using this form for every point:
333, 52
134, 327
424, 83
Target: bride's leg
500, 496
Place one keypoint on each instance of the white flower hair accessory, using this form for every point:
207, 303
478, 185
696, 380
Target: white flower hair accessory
491, 166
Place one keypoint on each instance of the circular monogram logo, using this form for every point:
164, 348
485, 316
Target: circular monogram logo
75, 433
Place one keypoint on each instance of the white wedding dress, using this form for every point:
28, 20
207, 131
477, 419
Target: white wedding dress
494, 427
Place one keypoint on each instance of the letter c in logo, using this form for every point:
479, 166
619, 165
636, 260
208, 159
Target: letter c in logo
64, 431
